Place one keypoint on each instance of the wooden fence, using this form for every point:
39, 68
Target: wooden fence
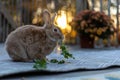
6, 23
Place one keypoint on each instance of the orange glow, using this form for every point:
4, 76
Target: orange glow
61, 20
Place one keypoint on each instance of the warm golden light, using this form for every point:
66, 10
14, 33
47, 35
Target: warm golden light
61, 20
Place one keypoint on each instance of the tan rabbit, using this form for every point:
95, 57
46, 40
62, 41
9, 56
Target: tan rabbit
31, 42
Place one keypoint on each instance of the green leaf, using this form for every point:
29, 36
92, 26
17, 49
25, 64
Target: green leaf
54, 61
65, 52
61, 62
40, 64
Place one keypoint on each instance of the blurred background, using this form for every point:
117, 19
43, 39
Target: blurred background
15, 13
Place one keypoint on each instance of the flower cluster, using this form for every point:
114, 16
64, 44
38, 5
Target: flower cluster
93, 23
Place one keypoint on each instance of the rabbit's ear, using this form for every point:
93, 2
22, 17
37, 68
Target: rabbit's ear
53, 17
46, 17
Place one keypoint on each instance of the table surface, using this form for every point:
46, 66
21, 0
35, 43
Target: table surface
61, 76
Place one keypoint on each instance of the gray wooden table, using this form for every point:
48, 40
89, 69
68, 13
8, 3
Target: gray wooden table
85, 59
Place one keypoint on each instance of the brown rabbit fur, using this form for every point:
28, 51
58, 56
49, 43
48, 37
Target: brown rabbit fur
31, 42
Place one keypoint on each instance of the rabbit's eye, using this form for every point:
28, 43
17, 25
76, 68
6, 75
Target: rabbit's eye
55, 30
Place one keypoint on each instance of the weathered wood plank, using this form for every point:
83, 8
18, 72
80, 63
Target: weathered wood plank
6, 14
0, 29
117, 15
81, 5
109, 3
101, 5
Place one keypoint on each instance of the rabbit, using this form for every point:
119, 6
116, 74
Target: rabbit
30, 42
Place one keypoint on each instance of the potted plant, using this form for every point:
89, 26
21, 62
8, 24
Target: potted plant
90, 24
